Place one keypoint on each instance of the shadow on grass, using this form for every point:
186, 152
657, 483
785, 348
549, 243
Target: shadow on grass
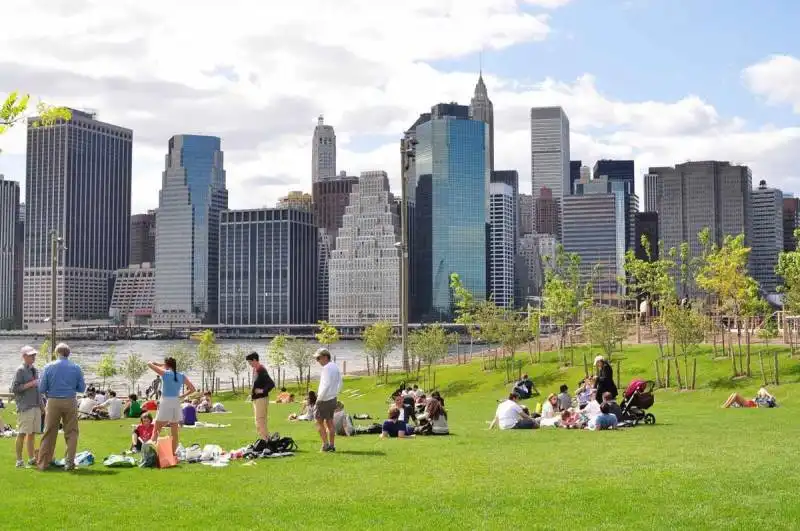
725, 382
459, 387
94, 472
371, 453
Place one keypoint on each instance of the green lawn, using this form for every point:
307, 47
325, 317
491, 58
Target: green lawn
698, 467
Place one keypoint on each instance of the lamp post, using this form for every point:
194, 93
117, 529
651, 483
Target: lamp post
407, 154
56, 245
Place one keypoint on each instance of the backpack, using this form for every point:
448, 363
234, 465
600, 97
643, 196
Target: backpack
277, 444
149, 457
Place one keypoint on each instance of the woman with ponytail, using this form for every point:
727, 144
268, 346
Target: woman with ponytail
169, 408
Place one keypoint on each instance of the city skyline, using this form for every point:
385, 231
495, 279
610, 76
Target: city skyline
741, 107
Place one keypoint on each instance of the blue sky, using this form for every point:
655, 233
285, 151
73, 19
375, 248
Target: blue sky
659, 49
625, 71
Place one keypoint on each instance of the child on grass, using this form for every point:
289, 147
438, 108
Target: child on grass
143, 432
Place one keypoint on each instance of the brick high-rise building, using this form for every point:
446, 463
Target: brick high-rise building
546, 213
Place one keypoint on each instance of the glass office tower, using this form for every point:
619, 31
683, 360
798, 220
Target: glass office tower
453, 151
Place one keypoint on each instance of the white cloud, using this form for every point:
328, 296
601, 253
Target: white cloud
776, 78
258, 75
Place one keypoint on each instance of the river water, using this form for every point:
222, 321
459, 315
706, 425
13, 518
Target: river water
88, 353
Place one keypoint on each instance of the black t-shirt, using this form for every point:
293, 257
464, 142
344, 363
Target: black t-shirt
263, 382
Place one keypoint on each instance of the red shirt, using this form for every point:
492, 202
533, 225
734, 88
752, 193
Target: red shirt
145, 431
150, 405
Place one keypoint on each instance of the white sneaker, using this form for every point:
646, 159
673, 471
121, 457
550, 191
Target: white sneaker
20, 463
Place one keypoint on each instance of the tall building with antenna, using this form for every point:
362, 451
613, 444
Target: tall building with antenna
482, 110
323, 152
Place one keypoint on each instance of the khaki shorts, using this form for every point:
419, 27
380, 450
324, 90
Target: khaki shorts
29, 421
260, 409
325, 409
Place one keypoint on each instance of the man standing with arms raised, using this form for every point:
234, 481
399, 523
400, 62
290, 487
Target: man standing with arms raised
61, 381
330, 384
29, 405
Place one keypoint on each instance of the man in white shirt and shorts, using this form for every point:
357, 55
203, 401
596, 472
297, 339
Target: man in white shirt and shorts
511, 416
330, 385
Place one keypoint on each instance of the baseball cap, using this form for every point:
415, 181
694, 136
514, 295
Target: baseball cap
599, 358
28, 350
322, 352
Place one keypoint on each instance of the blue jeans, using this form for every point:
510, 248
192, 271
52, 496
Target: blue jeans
525, 424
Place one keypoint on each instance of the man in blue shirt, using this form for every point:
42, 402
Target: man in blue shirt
60, 382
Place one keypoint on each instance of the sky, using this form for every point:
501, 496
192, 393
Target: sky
658, 81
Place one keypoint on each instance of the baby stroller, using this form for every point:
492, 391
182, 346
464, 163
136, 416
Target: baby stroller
637, 399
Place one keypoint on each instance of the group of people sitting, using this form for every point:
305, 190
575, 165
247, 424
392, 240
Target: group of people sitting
413, 413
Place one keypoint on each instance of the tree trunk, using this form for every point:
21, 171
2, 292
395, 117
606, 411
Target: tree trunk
747, 343
761, 363
678, 373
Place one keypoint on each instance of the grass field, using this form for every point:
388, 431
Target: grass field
699, 467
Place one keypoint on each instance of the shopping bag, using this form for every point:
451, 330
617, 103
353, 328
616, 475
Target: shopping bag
166, 458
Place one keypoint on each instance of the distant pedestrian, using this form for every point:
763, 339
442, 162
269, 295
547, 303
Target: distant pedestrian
330, 385
262, 385
61, 381
29, 405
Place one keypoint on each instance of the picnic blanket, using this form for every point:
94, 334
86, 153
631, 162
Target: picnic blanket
200, 424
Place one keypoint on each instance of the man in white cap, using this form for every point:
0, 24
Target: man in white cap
61, 381
330, 385
29, 405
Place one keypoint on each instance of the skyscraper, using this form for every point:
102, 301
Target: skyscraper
78, 185
791, 220
767, 236
9, 247
699, 195
502, 242
547, 220
574, 174
330, 199
365, 265
652, 197
550, 153
511, 178
621, 171
297, 200
323, 152
268, 267
647, 225
481, 109
525, 214
453, 151
193, 193
531, 269
143, 238
19, 266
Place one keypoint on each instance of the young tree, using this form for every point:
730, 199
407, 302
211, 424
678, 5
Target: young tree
789, 270
276, 353
184, 357
327, 335
687, 328
209, 357
436, 342
236, 362
378, 342
300, 354
605, 329
725, 276
753, 307
465, 309
133, 369
513, 331
535, 331
107, 367
15, 109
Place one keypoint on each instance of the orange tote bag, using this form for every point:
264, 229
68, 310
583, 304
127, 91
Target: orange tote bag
166, 458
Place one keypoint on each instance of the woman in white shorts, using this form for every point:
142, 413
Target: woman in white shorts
169, 408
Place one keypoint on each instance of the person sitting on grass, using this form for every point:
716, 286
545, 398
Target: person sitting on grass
511, 416
612, 405
206, 403
112, 407
143, 432
605, 420
585, 392
188, 413
564, 400
308, 410
133, 408
762, 399
284, 397
433, 421
150, 405
393, 427
525, 387
571, 419
550, 415
86, 407
342, 423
